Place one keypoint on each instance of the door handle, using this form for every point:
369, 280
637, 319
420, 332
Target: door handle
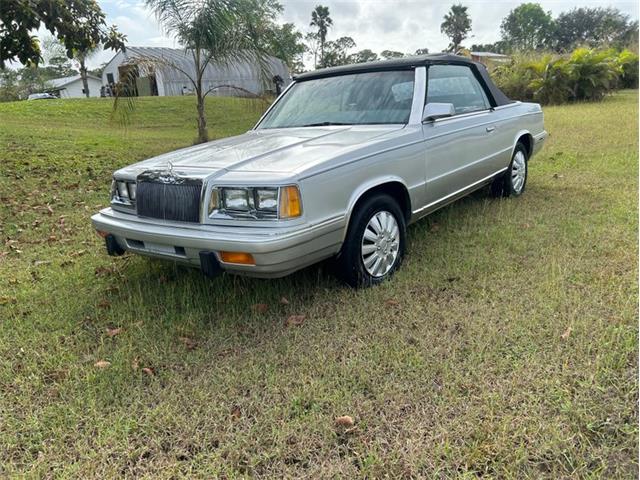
490, 129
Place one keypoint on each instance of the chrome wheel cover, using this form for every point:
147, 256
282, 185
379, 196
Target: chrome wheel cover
380, 244
518, 171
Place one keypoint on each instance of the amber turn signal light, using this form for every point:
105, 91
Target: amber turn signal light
237, 257
290, 202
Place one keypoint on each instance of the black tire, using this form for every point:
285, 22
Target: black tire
503, 185
349, 263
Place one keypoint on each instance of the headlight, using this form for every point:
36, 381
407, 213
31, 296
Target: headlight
266, 199
240, 199
123, 192
256, 202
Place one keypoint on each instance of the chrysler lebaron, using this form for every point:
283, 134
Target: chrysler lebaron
337, 167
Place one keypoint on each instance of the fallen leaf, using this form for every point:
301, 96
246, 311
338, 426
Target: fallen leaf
49, 210
566, 333
41, 262
392, 303
135, 363
294, 320
102, 364
7, 300
104, 303
236, 413
284, 301
261, 307
556, 175
345, 421
112, 332
149, 371
435, 227
78, 253
189, 343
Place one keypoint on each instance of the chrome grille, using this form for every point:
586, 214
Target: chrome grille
178, 202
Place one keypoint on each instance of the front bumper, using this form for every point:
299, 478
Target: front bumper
277, 251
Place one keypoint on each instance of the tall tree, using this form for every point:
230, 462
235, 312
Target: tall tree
527, 27
82, 55
77, 23
322, 21
389, 54
456, 26
55, 58
336, 52
592, 27
215, 31
285, 42
363, 56
421, 51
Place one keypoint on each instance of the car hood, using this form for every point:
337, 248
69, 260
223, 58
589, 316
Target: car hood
286, 150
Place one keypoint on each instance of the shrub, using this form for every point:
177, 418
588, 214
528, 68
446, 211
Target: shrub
583, 75
592, 73
628, 63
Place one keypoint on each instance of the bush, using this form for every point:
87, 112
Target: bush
583, 75
628, 63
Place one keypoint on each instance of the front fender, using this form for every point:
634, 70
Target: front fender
367, 186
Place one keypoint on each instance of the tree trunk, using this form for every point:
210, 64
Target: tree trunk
203, 135
83, 75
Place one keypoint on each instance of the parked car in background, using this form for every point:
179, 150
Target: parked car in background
42, 96
337, 167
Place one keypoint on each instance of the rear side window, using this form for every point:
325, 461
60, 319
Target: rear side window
458, 85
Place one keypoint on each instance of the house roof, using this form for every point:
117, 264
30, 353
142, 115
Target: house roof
61, 82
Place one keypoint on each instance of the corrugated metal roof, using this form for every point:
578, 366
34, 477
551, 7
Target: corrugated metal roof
173, 64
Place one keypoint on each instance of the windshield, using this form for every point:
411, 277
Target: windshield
355, 99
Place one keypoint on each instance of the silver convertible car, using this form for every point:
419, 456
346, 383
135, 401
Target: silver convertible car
337, 167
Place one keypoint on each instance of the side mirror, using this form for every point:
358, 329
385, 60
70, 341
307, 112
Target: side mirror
434, 111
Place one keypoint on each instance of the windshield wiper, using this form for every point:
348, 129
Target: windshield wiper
325, 124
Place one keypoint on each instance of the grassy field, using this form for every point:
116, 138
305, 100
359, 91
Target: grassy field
507, 345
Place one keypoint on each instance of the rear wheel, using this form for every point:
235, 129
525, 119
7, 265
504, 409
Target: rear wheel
514, 180
375, 242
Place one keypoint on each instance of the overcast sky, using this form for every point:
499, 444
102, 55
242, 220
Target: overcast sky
403, 25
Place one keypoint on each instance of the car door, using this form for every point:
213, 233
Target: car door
460, 150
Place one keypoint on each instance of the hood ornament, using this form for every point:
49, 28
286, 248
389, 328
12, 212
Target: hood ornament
169, 176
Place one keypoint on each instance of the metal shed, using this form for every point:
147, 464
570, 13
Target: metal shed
160, 71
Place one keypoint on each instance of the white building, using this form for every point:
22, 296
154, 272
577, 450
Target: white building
160, 71
71, 87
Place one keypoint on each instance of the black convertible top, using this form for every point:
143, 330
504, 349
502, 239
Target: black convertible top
409, 63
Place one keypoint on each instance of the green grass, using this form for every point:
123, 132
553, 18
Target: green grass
507, 345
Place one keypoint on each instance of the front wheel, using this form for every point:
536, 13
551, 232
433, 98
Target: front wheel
375, 242
514, 180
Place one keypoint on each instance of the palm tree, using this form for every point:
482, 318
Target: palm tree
214, 31
456, 25
320, 18
82, 56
